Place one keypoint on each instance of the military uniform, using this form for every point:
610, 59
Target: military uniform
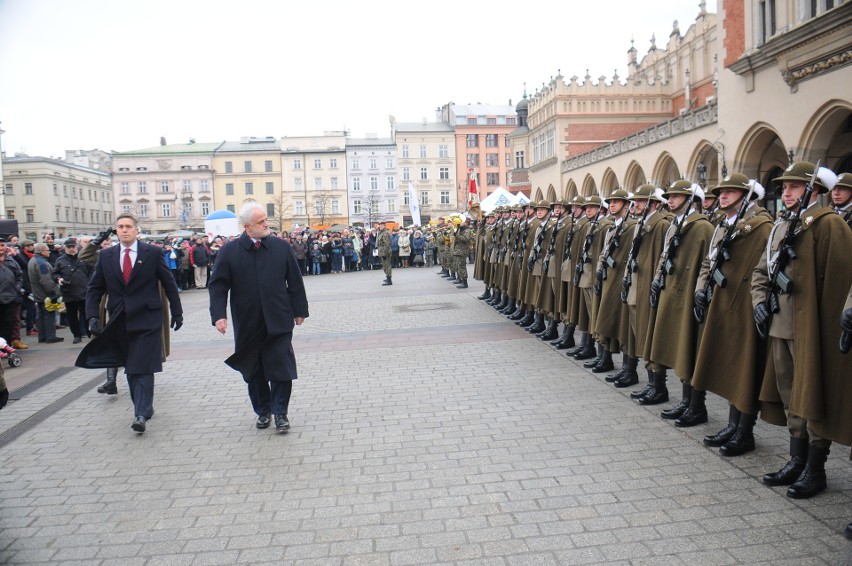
383, 245
568, 296
562, 235
841, 196
807, 378
725, 311
534, 264
550, 277
461, 247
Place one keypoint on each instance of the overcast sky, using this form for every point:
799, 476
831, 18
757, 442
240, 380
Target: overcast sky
118, 74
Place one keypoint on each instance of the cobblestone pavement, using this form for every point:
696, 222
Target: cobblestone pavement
427, 429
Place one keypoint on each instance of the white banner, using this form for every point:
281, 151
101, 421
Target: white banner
413, 204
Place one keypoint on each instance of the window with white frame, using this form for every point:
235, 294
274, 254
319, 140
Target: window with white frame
374, 163
125, 188
473, 160
374, 183
508, 160
492, 179
519, 159
205, 208
270, 188
205, 187
406, 174
491, 140
335, 206
422, 151
356, 163
391, 183
492, 160
229, 167
124, 208
391, 205
356, 183
445, 197
249, 188
424, 174
267, 166
297, 183
30, 214
443, 151
405, 152
332, 162
334, 183
318, 207
142, 187
297, 164
374, 206
317, 163
444, 173
167, 210
247, 166
390, 163
164, 186
299, 207
318, 183
424, 198
472, 140
143, 210
356, 206
187, 186
229, 189
406, 198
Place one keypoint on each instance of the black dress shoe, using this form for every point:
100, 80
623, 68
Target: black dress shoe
138, 424
55, 340
281, 423
263, 421
77, 340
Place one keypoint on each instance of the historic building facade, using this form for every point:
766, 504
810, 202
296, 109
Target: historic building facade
50, 195
372, 179
427, 159
248, 170
313, 172
169, 187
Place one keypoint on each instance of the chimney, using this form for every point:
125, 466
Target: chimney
162, 140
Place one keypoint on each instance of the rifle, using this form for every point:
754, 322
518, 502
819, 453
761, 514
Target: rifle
569, 239
723, 254
518, 231
609, 261
551, 247
539, 239
669, 254
587, 244
504, 250
632, 263
779, 282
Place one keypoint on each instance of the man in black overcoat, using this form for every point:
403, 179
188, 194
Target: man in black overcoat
267, 300
131, 276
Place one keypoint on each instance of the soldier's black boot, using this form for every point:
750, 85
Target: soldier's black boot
109, 386
528, 318
454, 278
519, 313
485, 294
679, 409
659, 393
494, 299
588, 351
567, 340
726, 433
605, 364
647, 389
696, 414
630, 376
462, 285
503, 303
598, 353
444, 273
812, 480
612, 378
537, 324
509, 308
387, 282
561, 337
792, 469
584, 339
743, 439
550, 332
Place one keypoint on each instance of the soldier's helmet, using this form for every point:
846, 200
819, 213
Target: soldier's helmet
804, 171
543, 204
683, 187
593, 200
618, 194
565, 202
644, 192
844, 180
578, 201
739, 182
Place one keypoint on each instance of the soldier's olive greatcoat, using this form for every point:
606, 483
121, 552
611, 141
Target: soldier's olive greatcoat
524, 273
612, 323
673, 335
573, 298
821, 276
729, 328
587, 280
534, 279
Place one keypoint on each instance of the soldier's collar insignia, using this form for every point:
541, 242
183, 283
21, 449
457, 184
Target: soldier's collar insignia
747, 228
808, 220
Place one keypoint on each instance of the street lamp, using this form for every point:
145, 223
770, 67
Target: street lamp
702, 175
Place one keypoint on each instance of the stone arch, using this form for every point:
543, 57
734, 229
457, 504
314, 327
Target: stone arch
570, 190
589, 186
828, 136
634, 176
665, 171
538, 194
551, 194
704, 154
609, 182
761, 154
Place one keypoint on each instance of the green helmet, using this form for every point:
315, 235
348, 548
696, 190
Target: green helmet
593, 200
844, 180
618, 194
644, 192
578, 201
543, 204
681, 187
804, 171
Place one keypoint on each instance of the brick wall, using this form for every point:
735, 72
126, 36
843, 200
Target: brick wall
734, 29
598, 135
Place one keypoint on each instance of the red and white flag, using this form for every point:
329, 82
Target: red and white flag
473, 208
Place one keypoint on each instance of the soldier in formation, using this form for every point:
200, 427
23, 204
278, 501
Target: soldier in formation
674, 277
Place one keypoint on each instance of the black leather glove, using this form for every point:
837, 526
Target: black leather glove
761, 319
700, 305
102, 237
625, 290
95, 326
4, 397
177, 322
656, 289
599, 275
597, 288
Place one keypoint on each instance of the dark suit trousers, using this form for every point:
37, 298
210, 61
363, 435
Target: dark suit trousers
269, 396
141, 387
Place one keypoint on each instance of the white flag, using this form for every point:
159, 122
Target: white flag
413, 204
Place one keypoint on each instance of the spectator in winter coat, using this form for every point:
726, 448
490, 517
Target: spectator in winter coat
11, 283
73, 277
44, 288
199, 258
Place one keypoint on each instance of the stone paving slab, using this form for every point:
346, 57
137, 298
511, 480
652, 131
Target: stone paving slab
420, 435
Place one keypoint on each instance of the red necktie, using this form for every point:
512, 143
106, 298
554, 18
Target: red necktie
126, 267
257, 244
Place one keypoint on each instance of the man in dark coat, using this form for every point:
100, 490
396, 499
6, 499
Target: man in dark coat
131, 275
267, 300
73, 276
